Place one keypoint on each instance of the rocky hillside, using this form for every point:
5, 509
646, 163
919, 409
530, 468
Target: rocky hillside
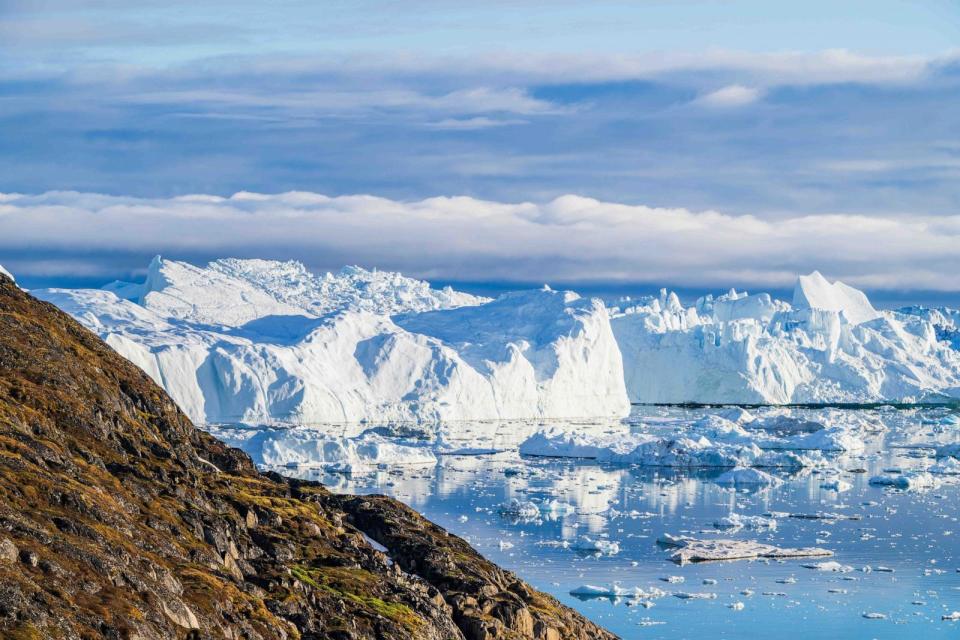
119, 519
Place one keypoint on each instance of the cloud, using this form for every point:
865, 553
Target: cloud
471, 124
569, 239
734, 95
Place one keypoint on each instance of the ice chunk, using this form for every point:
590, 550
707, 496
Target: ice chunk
912, 480
312, 448
747, 477
519, 509
597, 545
737, 521
829, 565
946, 467
694, 550
616, 591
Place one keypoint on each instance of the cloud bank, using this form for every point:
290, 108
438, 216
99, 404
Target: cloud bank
568, 239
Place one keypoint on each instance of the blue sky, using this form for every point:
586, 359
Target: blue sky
773, 110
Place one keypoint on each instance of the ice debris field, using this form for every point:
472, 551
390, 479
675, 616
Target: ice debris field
530, 425
678, 524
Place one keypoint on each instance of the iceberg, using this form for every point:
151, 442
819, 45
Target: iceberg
260, 341
588, 591
747, 477
256, 341
911, 480
829, 346
312, 448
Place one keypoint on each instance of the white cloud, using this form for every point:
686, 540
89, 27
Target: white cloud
571, 238
734, 95
471, 124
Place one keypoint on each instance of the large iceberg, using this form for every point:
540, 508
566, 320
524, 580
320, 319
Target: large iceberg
829, 346
261, 341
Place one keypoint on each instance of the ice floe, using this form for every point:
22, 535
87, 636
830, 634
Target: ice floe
911, 480
695, 550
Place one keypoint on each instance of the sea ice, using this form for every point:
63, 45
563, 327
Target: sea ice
747, 477
737, 521
519, 509
597, 545
616, 591
909, 480
695, 550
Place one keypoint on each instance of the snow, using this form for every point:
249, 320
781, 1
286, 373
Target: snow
4, 272
829, 346
257, 341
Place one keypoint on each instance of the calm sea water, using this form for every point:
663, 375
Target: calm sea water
904, 546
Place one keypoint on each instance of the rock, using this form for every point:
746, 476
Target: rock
29, 558
186, 539
8, 551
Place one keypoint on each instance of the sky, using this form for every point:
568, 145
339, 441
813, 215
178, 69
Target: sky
689, 144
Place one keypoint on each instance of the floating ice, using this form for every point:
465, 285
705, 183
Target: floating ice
519, 509
910, 480
694, 550
597, 545
312, 448
829, 565
616, 591
747, 477
946, 467
737, 521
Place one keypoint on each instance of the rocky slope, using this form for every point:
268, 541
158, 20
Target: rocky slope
119, 519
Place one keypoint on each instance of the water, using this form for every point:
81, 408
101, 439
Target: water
916, 534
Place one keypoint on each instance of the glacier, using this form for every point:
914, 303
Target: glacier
268, 342
258, 341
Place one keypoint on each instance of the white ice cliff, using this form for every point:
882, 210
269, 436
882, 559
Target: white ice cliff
262, 341
829, 346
